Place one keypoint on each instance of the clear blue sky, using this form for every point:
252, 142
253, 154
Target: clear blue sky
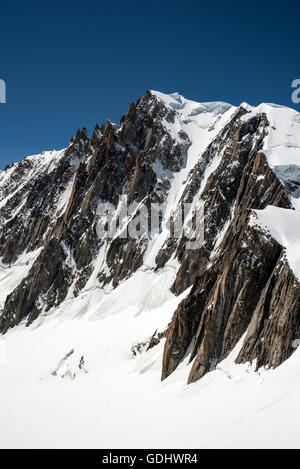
72, 64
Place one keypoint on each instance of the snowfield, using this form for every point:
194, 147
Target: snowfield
72, 381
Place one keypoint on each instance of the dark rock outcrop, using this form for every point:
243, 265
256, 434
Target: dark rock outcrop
219, 308
116, 160
274, 331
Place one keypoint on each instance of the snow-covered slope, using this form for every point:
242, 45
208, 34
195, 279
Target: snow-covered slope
118, 401
284, 226
91, 326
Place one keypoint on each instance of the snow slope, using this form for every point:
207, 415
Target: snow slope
118, 401
284, 226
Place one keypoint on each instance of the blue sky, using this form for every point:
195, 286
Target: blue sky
72, 64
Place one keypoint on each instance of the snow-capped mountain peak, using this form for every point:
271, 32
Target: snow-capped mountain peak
109, 317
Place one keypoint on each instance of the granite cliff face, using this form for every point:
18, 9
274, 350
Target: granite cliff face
239, 286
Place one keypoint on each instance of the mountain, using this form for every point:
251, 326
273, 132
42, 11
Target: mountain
129, 319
